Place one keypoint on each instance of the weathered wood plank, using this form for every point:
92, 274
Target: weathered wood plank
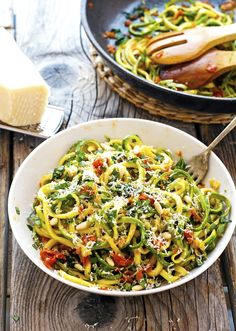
226, 151
22, 146
4, 184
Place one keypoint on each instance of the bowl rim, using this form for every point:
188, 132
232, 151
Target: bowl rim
147, 83
94, 289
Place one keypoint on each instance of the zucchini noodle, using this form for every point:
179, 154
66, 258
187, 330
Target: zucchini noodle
124, 215
146, 23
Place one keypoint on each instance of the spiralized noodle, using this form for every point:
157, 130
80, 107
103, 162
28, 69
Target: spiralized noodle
124, 215
131, 52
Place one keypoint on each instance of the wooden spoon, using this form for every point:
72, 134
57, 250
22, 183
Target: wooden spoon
181, 46
201, 71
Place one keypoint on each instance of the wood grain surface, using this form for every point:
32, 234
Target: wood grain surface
4, 185
50, 33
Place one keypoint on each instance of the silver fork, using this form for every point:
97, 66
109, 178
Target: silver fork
198, 165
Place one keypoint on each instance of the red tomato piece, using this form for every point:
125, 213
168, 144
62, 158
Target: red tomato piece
139, 275
128, 276
89, 237
188, 235
180, 12
147, 268
49, 257
98, 165
78, 250
85, 260
176, 250
144, 196
44, 240
81, 207
195, 215
122, 261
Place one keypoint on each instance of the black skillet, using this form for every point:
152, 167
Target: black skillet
99, 16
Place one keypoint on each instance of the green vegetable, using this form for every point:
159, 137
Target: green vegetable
130, 141
103, 263
139, 224
181, 164
58, 172
107, 274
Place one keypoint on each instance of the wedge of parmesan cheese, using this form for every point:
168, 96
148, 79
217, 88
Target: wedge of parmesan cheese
23, 92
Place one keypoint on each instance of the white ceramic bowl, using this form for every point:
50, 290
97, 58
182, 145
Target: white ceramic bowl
46, 156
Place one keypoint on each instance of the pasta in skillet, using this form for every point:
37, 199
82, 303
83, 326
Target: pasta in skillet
143, 23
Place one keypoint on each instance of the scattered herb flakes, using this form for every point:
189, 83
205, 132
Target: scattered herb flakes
136, 13
121, 40
116, 34
33, 219
17, 209
80, 155
58, 172
16, 318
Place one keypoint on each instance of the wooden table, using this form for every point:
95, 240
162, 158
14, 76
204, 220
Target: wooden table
50, 33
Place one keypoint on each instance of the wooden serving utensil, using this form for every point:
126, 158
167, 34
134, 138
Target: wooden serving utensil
181, 46
202, 70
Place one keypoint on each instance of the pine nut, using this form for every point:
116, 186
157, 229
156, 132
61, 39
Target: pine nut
137, 288
53, 221
110, 261
79, 267
166, 235
82, 226
158, 207
187, 199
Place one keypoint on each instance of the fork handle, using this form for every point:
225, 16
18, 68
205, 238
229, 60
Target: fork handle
222, 33
216, 141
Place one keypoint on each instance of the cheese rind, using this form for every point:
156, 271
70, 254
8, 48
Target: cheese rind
23, 92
